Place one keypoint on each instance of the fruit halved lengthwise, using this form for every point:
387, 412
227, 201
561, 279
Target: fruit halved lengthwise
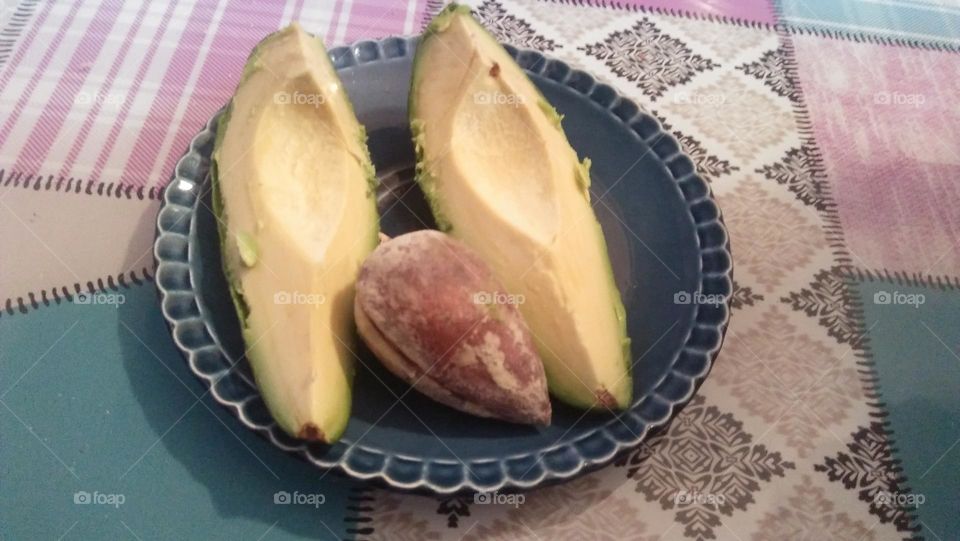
294, 194
500, 175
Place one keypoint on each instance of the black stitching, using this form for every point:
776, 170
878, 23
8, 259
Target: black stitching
873, 39
62, 293
785, 27
869, 380
358, 521
879, 410
915, 279
89, 186
860, 37
17, 22
433, 7
830, 214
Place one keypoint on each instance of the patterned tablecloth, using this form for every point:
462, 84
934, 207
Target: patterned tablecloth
830, 132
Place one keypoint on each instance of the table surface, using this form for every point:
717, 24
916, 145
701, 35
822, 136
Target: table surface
829, 132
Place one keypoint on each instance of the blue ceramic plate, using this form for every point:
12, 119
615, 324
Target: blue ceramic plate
667, 242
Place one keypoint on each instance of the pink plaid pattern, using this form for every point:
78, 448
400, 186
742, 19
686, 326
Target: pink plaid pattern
112, 91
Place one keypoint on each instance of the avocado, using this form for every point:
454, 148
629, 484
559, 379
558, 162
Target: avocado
294, 197
500, 175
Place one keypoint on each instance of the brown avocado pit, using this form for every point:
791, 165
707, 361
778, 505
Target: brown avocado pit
416, 310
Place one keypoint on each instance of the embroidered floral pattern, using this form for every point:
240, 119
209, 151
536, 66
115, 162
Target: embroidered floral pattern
704, 465
709, 166
791, 381
644, 55
829, 300
870, 469
797, 171
770, 70
454, 507
511, 29
743, 296
809, 514
728, 111
771, 236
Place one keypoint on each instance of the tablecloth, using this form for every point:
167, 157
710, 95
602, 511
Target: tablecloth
830, 133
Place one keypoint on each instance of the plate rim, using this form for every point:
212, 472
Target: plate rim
194, 337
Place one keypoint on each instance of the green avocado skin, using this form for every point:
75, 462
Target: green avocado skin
428, 185
424, 179
254, 64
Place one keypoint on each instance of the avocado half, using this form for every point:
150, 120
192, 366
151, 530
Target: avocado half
500, 175
294, 196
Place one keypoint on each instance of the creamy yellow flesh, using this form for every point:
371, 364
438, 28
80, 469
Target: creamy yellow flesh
502, 173
293, 178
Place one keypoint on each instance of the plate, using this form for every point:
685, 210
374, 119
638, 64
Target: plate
667, 242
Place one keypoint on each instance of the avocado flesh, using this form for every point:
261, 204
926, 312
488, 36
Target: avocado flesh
294, 194
501, 176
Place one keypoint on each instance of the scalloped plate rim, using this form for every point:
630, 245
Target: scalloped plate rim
548, 474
